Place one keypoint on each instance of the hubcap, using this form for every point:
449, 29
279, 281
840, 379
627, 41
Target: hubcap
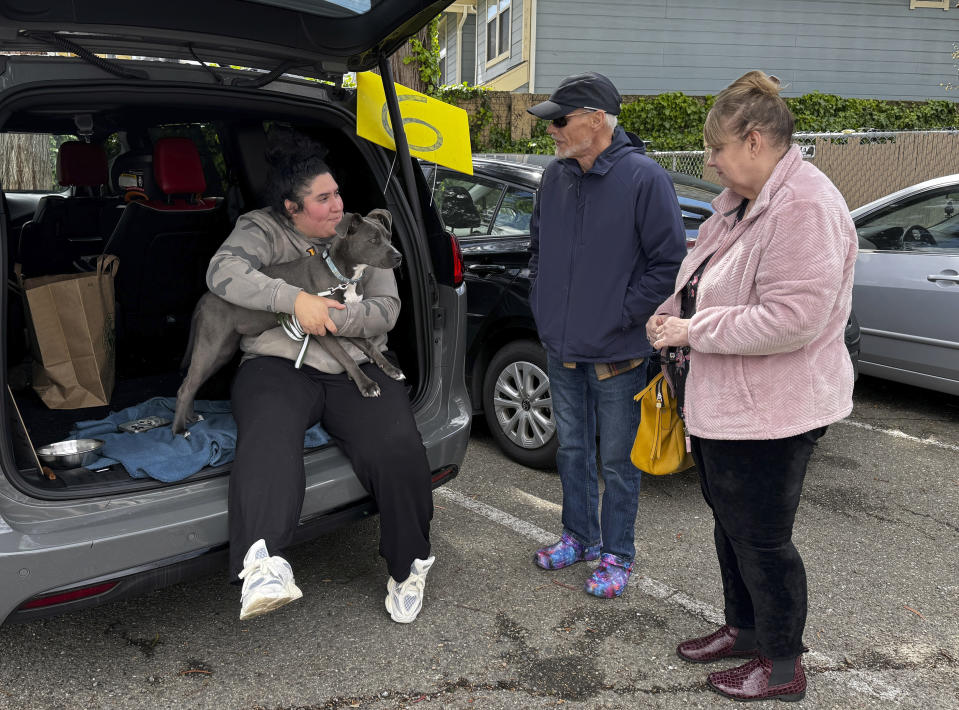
523, 406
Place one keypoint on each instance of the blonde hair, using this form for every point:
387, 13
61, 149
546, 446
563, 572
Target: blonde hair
751, 103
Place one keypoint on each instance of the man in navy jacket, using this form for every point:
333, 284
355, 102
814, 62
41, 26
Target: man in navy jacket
607, 239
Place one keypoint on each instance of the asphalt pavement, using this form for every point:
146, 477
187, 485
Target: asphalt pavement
878, 529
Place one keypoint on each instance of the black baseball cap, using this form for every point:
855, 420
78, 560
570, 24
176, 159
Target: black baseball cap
588, 90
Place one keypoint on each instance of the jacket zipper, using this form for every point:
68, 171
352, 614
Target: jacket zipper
569, 266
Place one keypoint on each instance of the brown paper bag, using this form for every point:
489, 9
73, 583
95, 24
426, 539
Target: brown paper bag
71, 323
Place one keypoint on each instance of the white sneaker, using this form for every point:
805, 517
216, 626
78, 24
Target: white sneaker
267, 582
404, 600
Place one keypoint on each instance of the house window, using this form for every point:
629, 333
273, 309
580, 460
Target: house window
497, 29
937, 4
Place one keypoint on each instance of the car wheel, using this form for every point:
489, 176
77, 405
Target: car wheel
518, 406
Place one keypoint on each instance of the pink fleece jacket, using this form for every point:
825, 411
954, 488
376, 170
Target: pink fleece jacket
767, 356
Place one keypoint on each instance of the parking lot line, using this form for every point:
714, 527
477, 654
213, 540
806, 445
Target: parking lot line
860, 681
651, 587
928, 441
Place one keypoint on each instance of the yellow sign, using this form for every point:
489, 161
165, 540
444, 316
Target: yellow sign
435, 130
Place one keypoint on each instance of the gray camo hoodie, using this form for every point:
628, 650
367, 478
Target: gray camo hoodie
261, 238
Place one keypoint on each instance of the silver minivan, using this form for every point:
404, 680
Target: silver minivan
116, 78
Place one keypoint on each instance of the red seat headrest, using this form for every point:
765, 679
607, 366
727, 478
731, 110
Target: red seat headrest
177, 167
81, 165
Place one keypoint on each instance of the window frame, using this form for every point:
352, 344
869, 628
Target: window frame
442, 174
910, 202
499, 207
497, 19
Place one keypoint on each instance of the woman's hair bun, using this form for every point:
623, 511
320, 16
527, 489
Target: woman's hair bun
750, 103
758, 81
286, 146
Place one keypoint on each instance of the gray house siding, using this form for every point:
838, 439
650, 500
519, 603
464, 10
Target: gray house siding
515, 58
469, 52
447, 31
854, 48
448, 40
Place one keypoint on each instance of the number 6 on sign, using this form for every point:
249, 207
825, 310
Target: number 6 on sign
435, 130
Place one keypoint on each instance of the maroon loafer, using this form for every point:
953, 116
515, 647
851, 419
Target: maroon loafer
750, 681
713, 647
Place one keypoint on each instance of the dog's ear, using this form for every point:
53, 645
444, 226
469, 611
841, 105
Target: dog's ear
383, 217
349, 224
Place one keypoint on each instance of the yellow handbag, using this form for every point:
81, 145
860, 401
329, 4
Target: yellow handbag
660, 444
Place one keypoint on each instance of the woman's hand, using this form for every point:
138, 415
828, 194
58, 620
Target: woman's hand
653, 325
671, 332
313, 313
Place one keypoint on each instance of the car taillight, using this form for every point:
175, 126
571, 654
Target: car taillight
444, 474
457, 261
72, 595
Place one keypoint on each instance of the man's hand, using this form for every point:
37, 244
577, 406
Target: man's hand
313, 313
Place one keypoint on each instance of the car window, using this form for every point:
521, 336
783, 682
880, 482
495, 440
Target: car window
928, 222
466, 204
35, 169
514, 213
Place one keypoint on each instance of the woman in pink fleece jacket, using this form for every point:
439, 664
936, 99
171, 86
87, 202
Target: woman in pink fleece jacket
754, 351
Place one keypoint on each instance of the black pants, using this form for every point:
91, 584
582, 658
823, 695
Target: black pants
274, 404
753, 488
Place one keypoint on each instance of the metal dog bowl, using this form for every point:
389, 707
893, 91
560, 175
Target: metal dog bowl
71, 453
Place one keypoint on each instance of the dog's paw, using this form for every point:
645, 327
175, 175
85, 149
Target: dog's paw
370, 389
394, 372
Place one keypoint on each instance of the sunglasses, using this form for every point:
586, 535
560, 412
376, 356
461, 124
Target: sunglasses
563, 120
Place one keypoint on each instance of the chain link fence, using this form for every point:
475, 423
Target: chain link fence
867, 165
863, 165
688, 162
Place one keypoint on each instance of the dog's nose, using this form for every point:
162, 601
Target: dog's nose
397, 259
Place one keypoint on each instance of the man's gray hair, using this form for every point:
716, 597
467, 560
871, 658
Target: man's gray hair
611, 121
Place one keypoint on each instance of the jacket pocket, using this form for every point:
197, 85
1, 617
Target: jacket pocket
742, 382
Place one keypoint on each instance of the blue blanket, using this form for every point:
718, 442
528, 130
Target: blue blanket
159, 454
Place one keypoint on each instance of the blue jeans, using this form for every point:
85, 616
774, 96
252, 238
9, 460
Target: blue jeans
581, 402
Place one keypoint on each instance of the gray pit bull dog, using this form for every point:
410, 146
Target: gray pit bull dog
218, 325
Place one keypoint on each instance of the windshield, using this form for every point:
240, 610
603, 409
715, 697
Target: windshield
323, 8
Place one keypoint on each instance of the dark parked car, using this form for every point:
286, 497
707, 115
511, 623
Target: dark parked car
489, 213
84, 77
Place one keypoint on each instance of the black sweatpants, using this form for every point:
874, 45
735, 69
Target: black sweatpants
274, 404
753, 488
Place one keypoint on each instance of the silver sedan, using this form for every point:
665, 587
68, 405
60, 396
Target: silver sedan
906, 292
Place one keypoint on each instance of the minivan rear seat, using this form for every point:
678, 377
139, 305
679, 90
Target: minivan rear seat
66, 229
164, 246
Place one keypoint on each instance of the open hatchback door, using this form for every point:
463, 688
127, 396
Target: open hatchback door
320, 38
93, 95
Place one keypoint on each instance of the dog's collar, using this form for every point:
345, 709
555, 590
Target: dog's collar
336, 272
